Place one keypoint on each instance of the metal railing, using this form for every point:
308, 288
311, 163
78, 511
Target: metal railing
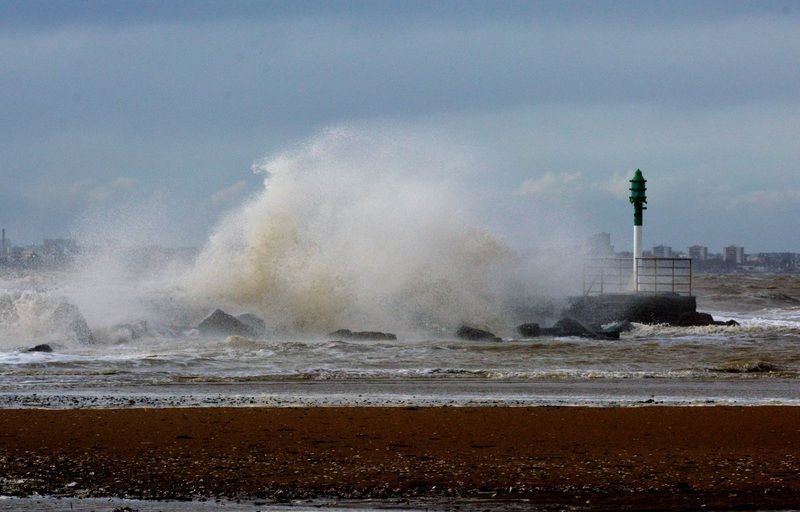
655, 275
607, 275
664, 275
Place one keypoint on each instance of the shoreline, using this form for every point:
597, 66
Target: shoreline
743, 390
594, 458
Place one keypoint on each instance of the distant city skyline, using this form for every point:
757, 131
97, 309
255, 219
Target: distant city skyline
63, 253
8, 243
145, 118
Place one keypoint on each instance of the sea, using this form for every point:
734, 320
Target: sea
143, 363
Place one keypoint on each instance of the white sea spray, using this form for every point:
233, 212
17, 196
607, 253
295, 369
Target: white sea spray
364, 230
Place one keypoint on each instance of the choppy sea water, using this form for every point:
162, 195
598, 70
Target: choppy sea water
757, 362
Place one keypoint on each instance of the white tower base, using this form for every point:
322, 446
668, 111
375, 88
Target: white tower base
637, 253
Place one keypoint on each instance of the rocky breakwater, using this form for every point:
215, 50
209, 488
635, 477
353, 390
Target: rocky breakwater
248, 325
564, 327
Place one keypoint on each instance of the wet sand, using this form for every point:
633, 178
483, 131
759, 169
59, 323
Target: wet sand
461, 392
641, 457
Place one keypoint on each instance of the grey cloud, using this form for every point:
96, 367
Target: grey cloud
237, 73
37, 15
183, 97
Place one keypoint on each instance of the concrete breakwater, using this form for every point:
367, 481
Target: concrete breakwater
646, 309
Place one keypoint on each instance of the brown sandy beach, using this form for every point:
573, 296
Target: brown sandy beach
645, 457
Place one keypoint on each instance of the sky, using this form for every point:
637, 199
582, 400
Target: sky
161, 109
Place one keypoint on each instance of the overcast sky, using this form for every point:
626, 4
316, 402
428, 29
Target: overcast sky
112, 107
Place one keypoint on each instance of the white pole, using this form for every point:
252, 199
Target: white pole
637, 253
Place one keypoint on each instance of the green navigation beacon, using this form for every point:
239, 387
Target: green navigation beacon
638, 197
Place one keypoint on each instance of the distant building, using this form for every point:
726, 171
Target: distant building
599, 246
698, 252
662, 251
734, 254
779, 261
4, 245
59, 251
60, 245
15, 253
25, 257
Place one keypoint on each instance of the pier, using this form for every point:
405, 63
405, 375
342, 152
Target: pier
651, 290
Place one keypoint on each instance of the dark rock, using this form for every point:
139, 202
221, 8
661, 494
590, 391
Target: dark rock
593, 326
254, 323
611, 331
549, 331
696, 319
729, 323
607, 333
219, 323
347, 334
471, 333
570, 327
69, 318
44, 347
623, 326
529, 330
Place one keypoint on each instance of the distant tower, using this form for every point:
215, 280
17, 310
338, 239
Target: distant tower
698, 252
734, 254
638, 199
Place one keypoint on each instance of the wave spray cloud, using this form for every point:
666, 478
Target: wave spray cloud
356, 229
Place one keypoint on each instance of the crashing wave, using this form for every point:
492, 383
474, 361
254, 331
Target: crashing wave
34, 317
359, 230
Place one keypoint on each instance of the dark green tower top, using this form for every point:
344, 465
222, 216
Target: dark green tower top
638, 197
